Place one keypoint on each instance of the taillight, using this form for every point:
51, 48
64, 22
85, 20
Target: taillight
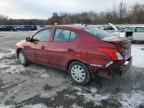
113, 53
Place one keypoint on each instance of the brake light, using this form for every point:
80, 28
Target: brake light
113, 53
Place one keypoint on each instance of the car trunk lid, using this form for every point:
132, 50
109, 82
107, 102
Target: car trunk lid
123, 45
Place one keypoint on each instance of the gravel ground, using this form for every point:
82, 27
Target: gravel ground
37, 86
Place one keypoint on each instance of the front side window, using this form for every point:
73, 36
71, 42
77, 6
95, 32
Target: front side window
140, 29
62, 35
43, 35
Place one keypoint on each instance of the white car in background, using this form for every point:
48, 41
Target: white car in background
137, 33
133, 32
118, 30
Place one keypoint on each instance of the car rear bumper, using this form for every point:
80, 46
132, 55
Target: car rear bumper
112, 69
122, 68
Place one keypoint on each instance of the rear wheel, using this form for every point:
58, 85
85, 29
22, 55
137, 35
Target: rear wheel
22, 58
79, 73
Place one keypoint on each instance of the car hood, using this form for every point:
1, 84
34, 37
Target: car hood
21, 43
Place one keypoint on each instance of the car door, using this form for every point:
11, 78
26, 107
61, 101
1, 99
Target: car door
62, 47
139, 34
29, 50
41, 42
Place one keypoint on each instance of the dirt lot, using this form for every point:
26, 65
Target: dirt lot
37, 86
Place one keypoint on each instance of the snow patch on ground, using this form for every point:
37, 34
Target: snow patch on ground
26, 106
44, 75
76, 106
138, 55
35, 106
9, 64
128, 100
132, 100
6, 106
13, 69
93, 95
2, 55
6, 53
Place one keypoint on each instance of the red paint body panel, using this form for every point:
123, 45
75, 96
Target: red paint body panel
83, 49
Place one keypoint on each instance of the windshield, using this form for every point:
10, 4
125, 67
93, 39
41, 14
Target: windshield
98, 33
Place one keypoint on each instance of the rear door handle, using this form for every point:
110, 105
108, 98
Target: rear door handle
42, 47
70, 50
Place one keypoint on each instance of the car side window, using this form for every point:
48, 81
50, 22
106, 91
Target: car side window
61, 35
131, 29
140, 29
43, 35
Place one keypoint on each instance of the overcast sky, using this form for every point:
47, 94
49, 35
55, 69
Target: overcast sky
44, 8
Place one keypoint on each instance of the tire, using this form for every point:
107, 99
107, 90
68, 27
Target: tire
22, 59
79, 73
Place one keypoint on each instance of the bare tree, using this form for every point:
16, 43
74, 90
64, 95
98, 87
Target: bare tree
137, 13
67, 20
122, 9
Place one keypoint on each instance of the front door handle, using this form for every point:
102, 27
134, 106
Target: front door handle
42, 47
70, 50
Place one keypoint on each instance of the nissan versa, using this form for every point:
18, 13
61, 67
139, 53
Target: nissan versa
82, 51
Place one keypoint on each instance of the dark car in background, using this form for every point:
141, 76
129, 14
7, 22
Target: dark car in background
7, 28
83, 51
26, 28
18, 28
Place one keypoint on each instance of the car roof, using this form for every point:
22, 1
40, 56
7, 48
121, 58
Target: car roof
136, 26
76, 27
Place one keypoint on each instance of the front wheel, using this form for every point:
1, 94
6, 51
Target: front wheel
79, 73
22, 58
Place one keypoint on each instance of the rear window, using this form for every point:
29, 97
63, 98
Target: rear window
62, 35
101, 34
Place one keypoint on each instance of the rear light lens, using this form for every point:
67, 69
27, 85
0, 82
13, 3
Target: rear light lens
119, 56
113, 53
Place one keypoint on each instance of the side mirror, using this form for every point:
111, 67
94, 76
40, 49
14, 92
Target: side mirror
28, 39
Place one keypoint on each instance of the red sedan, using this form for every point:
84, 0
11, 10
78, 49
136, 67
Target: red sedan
83, 51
